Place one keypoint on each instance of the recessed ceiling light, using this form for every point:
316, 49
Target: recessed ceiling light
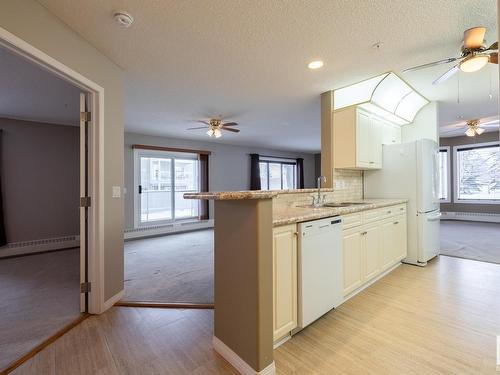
315, 64
123, 19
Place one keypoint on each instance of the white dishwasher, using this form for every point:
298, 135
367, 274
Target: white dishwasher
320, 268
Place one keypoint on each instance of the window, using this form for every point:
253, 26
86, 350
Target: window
444, 174
477, 173
277, 173
162, 178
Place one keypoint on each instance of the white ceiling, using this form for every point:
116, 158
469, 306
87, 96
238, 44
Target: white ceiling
32, 93
246, 60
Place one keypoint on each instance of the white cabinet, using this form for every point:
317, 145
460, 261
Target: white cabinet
373, 242
358, 137
352, 247
284, 280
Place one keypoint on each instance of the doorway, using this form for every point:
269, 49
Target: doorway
44, 174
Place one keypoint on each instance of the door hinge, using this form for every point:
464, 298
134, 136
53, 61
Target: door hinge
84, 201
85, 288
85, 116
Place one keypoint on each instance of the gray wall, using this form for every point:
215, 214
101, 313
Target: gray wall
229, 166
31, 22
40, 180
466, 207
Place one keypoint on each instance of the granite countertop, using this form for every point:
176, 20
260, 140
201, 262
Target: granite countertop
291, 215
248, 194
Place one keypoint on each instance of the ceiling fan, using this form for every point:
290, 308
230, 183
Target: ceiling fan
474, 55
473, 127
215, 127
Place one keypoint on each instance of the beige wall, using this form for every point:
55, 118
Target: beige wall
40, 180
467, 207
31, 22
425, 125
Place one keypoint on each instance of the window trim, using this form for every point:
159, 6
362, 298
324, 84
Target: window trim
456, 149
282, 161
144, 152
447, 149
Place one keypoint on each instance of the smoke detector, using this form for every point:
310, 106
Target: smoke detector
123, 19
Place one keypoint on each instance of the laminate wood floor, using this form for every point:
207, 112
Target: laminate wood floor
177, 268
442, 319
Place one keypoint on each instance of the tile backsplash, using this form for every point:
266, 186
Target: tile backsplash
348, 186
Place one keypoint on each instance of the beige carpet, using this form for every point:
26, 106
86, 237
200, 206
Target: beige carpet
172, 268
39, 295
471, 240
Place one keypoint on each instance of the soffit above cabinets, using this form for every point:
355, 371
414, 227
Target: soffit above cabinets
386, 95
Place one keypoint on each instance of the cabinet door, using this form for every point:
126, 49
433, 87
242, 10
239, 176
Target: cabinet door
372, 251
401, 239
352, 244
388, 244
376, 132
284, 280
363, 139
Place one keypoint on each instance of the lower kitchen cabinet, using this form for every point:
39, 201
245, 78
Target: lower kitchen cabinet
369, 249
284, 280
352, 248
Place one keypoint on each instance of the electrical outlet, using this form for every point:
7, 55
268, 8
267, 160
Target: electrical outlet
117, 191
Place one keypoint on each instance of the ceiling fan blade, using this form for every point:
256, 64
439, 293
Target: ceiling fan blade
474, 37
231, 130
494, 58
201, 127
446, 75
444, 61
494, 46
203, 122
230, 124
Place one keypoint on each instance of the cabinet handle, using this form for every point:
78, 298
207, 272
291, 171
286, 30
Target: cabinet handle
401, 209
372, 162
363, 233
396, 222
389, 212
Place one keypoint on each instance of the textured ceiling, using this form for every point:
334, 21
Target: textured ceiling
247, 59
31, 93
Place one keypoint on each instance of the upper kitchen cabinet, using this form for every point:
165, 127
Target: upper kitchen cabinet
358, 137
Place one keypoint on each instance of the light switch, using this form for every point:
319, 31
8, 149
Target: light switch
117, 191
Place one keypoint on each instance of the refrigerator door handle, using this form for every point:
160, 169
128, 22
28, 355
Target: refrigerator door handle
434, 217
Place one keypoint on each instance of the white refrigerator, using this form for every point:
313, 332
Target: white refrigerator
410, 170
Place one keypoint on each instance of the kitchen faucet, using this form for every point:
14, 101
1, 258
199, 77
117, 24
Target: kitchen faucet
317, 201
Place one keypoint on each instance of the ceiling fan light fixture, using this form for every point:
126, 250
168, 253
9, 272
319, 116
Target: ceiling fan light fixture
474, 63
210, 132
479, 131
470, 132
217, 133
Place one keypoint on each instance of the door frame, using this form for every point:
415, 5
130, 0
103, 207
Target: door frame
96, 302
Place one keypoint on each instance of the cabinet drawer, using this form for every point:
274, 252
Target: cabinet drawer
373, 215
352, 220
391, 211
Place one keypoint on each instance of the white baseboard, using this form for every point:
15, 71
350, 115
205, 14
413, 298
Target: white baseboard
471, 216
37, 246
158, 230
110, 302
239, 364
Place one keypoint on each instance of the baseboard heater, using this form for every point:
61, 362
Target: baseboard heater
155, 230
37, 246
471, 216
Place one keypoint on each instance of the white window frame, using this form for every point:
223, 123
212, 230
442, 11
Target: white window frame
282, 161
455, 172
138, 153
448, 163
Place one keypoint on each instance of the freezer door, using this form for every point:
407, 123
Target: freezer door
428, 235
427, 176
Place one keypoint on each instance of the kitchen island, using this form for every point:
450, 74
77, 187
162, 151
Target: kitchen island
256, 265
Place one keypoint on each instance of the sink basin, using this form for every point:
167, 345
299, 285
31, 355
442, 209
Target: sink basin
341, 204
332, 204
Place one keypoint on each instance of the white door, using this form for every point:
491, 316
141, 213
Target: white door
427, 176
85, 121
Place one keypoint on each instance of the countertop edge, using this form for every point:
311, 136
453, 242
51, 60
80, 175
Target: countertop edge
331, 212
249, 194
